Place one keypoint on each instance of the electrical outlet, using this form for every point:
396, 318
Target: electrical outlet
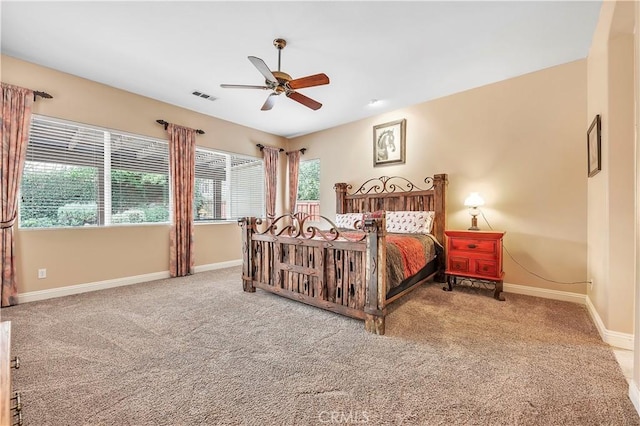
42, 273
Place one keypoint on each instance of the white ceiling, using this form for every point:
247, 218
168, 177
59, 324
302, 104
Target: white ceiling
401, 53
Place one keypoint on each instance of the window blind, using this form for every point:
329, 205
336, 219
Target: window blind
227, 186
139, 176
80, 175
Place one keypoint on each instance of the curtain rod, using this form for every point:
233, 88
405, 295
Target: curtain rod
43, 95
165, 124
302, 151
259, 145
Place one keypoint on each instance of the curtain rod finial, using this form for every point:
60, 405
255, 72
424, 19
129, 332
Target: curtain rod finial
42, 94
164, 123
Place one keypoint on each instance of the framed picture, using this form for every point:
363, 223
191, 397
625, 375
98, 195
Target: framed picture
594, 154
388, 142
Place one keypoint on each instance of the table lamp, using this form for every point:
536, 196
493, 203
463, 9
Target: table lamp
473, 201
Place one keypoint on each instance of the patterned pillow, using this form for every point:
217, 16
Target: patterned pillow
428, 223
348, 220
410, 222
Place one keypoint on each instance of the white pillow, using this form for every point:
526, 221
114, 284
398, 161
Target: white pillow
410, 222
348, 220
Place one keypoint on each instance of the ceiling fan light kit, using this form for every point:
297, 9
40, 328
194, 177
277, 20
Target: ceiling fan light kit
280, 82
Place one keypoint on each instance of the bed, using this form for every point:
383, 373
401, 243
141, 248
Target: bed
348, 271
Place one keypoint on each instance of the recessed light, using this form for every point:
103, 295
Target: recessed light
374, 102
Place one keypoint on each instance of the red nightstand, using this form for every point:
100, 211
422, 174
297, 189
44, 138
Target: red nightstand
475, 255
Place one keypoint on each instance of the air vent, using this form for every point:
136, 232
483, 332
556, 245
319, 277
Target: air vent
203, 95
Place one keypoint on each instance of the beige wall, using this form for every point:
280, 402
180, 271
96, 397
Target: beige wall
77, 256
611, 258
519, 142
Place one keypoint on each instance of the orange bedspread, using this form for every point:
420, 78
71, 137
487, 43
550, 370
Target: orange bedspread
412, 252
406, 255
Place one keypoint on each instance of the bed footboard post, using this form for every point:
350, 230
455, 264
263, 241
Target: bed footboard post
375, 275
341, 192
374, 324
440, 182
248, 227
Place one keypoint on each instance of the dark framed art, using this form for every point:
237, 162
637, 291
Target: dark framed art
389, 142
594, 151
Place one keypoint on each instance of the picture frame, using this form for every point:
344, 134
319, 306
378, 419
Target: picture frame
389, 142
594, 150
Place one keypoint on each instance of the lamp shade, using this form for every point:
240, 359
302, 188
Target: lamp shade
474, 200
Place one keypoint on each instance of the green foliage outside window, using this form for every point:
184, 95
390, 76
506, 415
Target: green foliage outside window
42, 190
309, 180
78, 214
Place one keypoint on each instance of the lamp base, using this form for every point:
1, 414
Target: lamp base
474, 223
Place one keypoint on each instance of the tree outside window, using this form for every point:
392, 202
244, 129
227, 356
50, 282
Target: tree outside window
308, 200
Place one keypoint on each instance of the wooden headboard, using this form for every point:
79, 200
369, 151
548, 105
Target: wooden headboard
397, 194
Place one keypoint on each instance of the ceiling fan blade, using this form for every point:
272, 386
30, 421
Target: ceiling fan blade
268, 104
304, 100
309, 81
263, 68
242, 86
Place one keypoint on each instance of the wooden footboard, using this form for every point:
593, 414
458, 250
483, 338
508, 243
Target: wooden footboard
341, 273
321, 268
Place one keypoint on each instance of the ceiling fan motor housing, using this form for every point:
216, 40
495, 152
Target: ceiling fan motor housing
283, 78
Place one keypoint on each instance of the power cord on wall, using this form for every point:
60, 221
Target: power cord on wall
526, 269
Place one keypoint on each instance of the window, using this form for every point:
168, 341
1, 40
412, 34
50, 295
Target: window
308, 200
228, 186
78, 175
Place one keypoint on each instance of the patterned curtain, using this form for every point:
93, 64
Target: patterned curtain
16, 119
182, 160
270, 156
293, 158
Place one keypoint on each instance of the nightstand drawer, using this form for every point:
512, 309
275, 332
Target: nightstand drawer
458, 264
486, 267
469, 245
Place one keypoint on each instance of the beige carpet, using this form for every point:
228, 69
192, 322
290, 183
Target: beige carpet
199, 351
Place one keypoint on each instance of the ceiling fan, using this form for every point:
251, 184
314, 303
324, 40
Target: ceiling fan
281, 82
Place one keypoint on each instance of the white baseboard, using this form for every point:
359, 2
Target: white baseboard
33, 296
219, 265
634, 395
566, 296
613, 338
